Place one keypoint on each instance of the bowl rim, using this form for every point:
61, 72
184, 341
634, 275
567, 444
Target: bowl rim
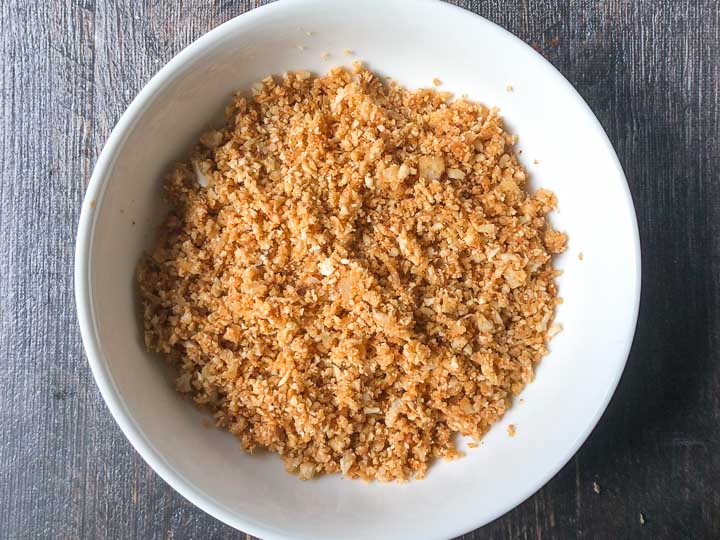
83, 272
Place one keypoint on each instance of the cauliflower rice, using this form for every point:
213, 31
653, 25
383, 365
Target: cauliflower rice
352, 273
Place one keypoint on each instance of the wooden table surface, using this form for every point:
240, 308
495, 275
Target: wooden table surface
650, 71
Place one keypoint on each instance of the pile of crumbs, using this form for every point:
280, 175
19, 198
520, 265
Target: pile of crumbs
352, 273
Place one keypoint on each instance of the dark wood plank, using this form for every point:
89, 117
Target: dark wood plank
45, 390
651, 72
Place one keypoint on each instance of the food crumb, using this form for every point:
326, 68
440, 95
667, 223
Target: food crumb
348, 52
301, 47
472, 445
536, 162
437, 81
133, 222
325, 55
596, 487
509, 88
580, 255
205, 423
522, 400
642, 519
316, 307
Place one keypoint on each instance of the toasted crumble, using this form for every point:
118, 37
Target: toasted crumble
511, 430
351, 273
596, 488
436, 81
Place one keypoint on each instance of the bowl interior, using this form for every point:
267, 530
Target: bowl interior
414, 42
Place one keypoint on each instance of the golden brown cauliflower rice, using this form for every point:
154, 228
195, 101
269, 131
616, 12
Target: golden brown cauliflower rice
352, 273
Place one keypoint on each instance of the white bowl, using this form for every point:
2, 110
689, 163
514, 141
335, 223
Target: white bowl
414, 42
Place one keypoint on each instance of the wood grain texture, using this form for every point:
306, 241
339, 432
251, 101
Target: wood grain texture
650, 69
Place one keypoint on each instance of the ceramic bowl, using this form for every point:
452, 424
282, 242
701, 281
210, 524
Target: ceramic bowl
413, 41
